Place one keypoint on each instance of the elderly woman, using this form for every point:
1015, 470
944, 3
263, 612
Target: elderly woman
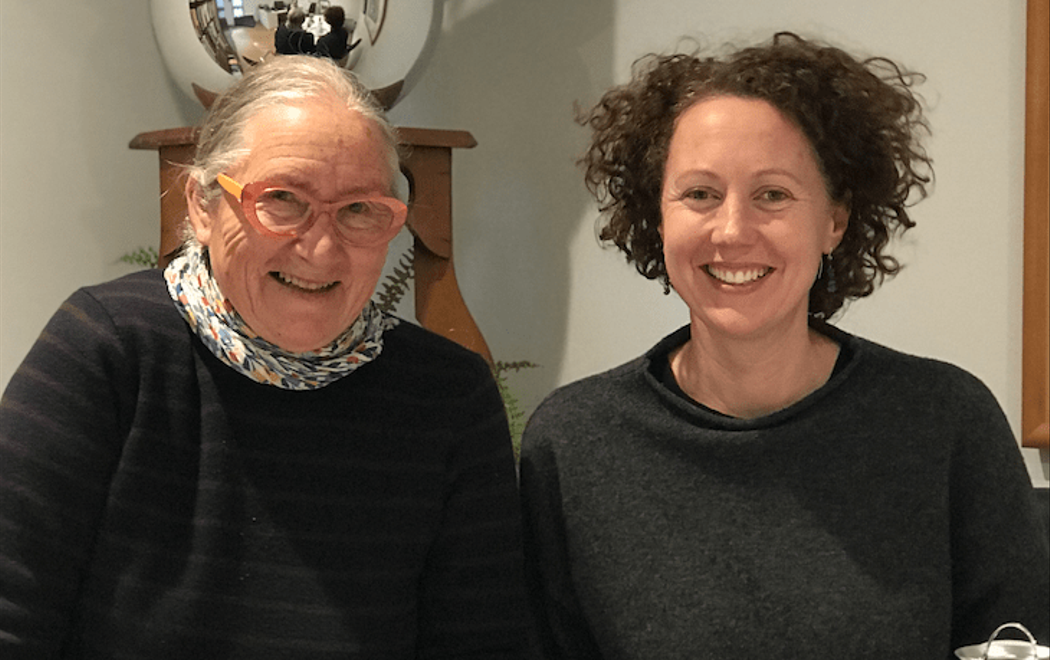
291, 38
761, 484
241, 457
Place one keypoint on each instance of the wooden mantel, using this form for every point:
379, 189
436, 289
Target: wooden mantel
427, 165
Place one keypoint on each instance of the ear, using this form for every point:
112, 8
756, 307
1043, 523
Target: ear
198, 212
839, 222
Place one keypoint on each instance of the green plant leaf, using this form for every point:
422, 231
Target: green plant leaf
146, 257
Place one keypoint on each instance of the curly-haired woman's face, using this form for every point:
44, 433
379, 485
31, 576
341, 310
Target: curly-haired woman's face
746, 217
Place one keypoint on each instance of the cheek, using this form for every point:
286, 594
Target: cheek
679, 258
244, 249
367, 265
233, 237
819, 240
679, 239
238, 258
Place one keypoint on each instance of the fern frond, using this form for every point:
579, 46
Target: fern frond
515, 415
500, 367
146, 257
395, 286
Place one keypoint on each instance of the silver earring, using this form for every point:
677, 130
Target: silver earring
832, 285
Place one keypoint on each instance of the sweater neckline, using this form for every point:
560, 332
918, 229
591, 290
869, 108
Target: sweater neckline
656, 363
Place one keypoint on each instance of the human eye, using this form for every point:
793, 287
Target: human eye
699, 194
774, 198
279, 206
359, 209
278, 196
701, 197
365, 215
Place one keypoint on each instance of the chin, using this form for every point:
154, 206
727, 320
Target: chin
732, 321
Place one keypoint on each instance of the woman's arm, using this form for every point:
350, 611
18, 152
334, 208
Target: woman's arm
59, 440
560, 625
1000, 559
472, 595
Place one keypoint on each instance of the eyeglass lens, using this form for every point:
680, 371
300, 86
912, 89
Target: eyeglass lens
283, 211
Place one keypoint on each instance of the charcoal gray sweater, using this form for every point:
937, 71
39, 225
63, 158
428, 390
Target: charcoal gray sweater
886, 515
156, 504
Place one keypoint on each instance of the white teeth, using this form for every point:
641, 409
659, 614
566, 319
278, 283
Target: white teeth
302, 284
738, 276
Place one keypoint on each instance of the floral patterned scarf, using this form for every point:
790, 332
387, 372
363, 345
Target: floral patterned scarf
224, 332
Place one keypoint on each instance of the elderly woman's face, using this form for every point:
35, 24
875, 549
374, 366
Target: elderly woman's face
745, 217
299, 293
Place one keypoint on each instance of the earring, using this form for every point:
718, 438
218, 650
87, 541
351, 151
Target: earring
832, 287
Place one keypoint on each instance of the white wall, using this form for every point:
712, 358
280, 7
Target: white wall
527, 259
74, 198
77, 81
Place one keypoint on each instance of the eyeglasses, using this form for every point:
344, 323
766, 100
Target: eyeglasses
283, 212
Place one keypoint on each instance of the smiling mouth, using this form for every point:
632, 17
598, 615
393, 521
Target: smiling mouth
302, 285
737, 277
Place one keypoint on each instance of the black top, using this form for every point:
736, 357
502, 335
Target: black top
293, 42
154, 503
334, 44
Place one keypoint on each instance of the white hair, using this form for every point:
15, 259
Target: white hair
283, 80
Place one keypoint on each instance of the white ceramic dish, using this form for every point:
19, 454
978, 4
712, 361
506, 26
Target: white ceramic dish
1005, 649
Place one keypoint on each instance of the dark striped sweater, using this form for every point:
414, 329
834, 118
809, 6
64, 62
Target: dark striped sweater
156, 504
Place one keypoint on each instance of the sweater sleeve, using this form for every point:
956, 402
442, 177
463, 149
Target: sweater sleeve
59, 440
560, 627
1000, 564
472, 596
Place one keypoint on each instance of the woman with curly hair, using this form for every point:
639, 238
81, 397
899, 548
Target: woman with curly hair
761, 483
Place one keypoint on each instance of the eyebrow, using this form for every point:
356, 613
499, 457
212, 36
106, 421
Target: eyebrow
290, 180
770, 171
294, 181
778, 172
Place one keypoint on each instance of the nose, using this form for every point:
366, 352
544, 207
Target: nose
320, 239
731, 222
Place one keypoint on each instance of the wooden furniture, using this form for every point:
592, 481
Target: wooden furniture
439, 305
1035, 376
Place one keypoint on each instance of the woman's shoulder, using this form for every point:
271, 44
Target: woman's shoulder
106, 330
897, 374
143, 283
410, 336
624, 384
133, 310
142, 295
420, 354
896, 363
600, 386
593, 402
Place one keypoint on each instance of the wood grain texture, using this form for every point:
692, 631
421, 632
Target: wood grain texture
1035, 396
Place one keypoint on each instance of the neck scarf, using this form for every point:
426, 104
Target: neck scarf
228, 337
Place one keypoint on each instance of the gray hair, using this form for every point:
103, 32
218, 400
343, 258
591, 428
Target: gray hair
296, 17
283, 80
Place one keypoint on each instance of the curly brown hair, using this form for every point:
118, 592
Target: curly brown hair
862, 117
